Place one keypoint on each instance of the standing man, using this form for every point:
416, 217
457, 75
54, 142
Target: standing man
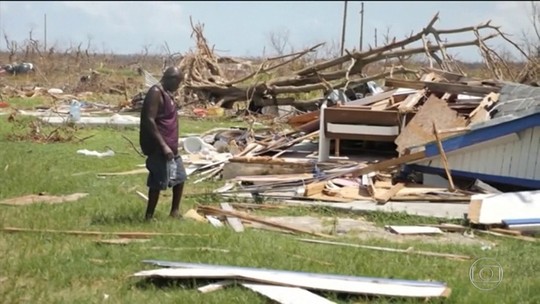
158, 138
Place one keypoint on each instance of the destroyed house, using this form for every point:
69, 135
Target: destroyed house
504, 149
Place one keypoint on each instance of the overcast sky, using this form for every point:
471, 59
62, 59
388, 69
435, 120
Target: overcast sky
242, 28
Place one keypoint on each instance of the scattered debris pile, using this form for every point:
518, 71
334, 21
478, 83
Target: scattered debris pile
428, 114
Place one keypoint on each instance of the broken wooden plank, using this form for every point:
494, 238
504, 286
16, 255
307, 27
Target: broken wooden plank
381, 105
99, 233
408, 104
449, 76
408, 251
369, 100
441, 87
345, 182
433, 77
244, 216
214, 221
522, 238
274, 178
287, 295
414, 229
486, 187
257, 206
329, 196
215, 286
131, 172
42, 199
236, 168
444, 159
420, 189
390, 163
367, 183
453, 130
383, 197
192, 214
314, 188
355, 193
303, 118
142, 195
234, 222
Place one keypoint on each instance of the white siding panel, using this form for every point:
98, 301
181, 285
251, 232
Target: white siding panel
507, 159
511, 156
524, 153
515, 155
532, 162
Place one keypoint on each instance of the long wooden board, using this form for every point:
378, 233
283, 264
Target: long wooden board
441, 87
234, 222
42, 199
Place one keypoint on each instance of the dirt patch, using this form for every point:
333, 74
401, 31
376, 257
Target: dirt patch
366, 230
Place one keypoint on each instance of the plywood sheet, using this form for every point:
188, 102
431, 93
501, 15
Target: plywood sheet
419, 130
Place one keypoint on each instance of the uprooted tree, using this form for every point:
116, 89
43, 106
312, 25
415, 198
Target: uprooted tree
206, 80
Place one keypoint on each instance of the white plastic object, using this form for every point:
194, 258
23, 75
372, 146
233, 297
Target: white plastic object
194, 145
171, 165
75, 110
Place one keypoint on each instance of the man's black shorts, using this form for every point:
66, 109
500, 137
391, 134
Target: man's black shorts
158, 177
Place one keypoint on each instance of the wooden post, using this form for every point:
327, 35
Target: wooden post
361, 27
443, 158
343, 29
337, 141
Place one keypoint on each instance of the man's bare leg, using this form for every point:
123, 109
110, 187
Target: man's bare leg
153, 197
177, 197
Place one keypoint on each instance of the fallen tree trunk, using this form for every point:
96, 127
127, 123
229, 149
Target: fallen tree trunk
204, 77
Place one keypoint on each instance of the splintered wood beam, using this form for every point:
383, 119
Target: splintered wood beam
234, 222
390, 163
98, 233
247, 217
444, 159
384, 197
410, 102
360, 55
443, 87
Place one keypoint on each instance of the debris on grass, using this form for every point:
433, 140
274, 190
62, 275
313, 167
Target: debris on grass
42, 198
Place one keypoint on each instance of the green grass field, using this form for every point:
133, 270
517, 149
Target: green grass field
53, 268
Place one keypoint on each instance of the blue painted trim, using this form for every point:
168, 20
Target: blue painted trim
521, 221
529, 183
484, 134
